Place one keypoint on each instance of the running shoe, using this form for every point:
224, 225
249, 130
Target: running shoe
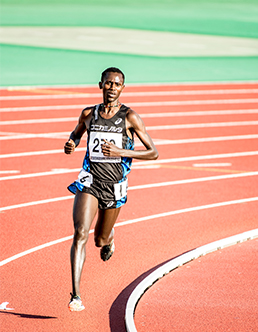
107, 251
76, 303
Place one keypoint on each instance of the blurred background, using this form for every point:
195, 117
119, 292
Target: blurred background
66, 42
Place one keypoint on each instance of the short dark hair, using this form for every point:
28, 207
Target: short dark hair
112, 70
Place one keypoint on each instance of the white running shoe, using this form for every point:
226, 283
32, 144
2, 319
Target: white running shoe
76, 303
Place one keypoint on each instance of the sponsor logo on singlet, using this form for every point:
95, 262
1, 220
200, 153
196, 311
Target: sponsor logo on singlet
107, 129
119, 120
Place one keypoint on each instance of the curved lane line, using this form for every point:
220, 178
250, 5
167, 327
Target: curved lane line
133, 221
172, 265
145, 186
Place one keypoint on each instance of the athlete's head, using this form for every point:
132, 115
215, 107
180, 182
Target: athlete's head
112, 70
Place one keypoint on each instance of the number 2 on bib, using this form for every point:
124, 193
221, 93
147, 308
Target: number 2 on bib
97, 139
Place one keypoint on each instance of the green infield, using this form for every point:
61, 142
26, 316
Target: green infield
152, 41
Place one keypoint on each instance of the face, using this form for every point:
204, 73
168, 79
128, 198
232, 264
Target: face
112, 87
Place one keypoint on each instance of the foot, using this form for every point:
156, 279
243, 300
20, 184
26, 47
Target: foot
107, 251
76, 303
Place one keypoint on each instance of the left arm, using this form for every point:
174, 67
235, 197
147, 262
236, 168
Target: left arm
133, 121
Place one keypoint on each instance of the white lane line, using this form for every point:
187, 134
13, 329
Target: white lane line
34, 175
204, 125
133, 221
35, 153
148, 115
198, 113
43, 201
204, 140
56, 135
162, 271
43, 246
180, 159
195, 180
7, 133
65, 135
135, 104
190, 125
78, 95
59, 172
34, 121
213, 165
193, 158
64, 171
149, 128
9, 172
146, 186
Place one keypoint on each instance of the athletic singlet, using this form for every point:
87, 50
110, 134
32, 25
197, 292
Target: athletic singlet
107, 169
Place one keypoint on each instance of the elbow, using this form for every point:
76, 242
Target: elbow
155, 154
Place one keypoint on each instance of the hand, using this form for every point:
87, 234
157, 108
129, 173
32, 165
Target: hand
110, 150
69, 147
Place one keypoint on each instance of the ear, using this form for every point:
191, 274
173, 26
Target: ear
100, 85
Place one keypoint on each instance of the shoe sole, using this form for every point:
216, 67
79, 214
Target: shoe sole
109, 254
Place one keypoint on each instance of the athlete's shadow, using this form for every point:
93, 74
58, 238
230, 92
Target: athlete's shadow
117, 310
27, 315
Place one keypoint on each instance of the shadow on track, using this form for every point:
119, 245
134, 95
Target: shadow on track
27, 315
117, 310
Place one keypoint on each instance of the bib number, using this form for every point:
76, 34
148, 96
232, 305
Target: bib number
95, 142
85, 178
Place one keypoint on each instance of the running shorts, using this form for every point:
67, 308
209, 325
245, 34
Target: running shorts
110, 195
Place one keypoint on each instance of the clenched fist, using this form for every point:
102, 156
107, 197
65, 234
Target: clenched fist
69, 147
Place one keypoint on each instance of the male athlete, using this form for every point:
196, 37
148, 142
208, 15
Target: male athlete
102, 184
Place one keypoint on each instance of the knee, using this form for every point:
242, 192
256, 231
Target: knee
81, 235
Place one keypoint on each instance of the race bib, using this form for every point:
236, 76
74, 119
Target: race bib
85, 178
120, 190
95, 142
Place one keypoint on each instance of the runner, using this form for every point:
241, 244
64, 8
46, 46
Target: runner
102, 183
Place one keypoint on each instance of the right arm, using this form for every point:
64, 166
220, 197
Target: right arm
80, 129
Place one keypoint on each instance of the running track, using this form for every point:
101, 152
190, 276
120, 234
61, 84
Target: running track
202, 188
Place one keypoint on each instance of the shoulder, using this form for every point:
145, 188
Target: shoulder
133, 118
87, 112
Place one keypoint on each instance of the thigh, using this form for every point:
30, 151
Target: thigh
106, 221
84, 210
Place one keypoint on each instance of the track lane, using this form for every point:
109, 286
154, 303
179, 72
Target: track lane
203, 292
54, 304
218, 222
180, 196
134, 98
28, 188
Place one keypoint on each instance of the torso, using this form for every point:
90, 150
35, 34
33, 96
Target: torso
111, 127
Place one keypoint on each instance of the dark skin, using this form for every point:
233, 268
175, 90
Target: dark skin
86, 205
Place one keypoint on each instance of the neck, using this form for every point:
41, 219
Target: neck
110, 106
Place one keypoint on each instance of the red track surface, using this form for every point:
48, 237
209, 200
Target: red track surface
37, 285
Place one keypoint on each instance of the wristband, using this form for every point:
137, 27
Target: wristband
76, 140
